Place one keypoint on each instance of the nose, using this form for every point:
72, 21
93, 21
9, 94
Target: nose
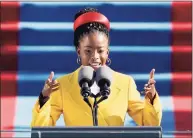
95, 55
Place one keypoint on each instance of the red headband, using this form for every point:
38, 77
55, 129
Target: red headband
91, 17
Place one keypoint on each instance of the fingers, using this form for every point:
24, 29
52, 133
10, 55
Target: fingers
146, 85
150, 85
147, 88
55, 86
53, 83
54, 89
148, 94
151, 82
50, 78
152, 74
50, 84
50, 81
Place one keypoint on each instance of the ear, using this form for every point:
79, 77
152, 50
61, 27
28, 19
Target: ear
78, 51
108, 51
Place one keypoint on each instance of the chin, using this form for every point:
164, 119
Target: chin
95, 67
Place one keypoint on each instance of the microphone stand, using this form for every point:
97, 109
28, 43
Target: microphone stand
85, 92
89, 104
104, 95
95, 115
95, 105
94, 109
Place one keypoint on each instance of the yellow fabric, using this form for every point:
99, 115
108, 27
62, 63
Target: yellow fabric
124, 98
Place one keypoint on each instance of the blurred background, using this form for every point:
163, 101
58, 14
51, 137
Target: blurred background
37, 38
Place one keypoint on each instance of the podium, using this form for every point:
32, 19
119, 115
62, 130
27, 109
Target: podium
96, 132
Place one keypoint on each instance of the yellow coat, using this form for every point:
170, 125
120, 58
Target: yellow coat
124, 98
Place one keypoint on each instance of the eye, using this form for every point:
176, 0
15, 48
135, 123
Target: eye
101, 51
87, 51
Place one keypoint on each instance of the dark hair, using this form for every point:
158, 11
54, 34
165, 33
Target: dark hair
88, 27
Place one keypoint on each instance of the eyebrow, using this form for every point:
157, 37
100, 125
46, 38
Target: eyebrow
97, 47
89, 46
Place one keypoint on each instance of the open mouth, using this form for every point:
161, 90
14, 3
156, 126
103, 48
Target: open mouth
95, 65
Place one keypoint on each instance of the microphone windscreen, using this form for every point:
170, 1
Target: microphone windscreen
86, 74
104, 75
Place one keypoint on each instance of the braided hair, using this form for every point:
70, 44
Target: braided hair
88, 27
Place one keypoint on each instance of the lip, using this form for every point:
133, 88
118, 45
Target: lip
95, 65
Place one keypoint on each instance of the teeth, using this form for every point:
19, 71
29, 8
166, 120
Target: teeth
95, 64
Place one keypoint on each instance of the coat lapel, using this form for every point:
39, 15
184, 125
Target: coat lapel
115, 90
75, 93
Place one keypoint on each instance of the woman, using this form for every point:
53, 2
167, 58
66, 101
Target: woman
91, 39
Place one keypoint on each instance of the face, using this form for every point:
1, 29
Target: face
93, 49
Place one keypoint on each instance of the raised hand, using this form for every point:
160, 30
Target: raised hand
149, 88
50, 86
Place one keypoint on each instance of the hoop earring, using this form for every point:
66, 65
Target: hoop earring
78, 60
108, 61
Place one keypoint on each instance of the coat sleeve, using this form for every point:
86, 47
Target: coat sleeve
49, 113
142, 111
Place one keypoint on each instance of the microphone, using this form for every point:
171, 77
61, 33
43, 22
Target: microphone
104, 78
86, 80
